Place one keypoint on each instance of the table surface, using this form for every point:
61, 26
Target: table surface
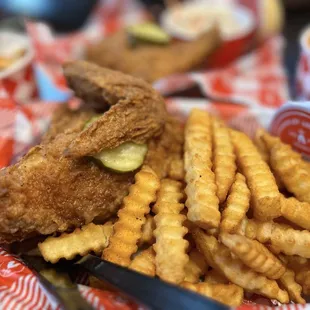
295, 22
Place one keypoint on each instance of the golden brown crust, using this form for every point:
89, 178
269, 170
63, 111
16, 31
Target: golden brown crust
137, 111
46, 192
66, 119
152, 62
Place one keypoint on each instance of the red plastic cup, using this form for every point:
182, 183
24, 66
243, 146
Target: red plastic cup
17, 81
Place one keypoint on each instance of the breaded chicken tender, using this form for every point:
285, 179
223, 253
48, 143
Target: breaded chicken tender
152, 62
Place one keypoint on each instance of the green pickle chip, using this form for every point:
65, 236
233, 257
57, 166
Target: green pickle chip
148, 33
125, 158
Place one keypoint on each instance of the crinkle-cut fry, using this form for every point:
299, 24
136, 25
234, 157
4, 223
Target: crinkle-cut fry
224, 159
291, 286
265, 154
176, 169
229, 294
262, 184
237, 205
289, 165
254, 255
287, 281
144, 262
296, 211
301, 267
81, 241
215, 277
207, 245
196, 267
284, 238
247, 278
170, 245
148, 227
202, 201
131, 217
261, 146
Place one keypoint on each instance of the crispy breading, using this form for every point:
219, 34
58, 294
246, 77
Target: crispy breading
65, 119
131, 217
196, 267
245, 277
46, 192
254, 255
137, 111
237, 205
144, 262
163, 149
202, 202
152, 62
82, 241
281, 236
170, 245
224, 159
262, 184
229, 294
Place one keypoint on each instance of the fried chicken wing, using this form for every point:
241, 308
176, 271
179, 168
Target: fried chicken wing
152, 62
49, 191
137, 111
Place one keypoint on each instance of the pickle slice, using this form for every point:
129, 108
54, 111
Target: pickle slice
126, 157
91, 120
147, 33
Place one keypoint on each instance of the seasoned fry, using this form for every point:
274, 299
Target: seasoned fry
295, 211
176, 169
196, 267
144, 262
262, 184
290, 285
224, 159
254, 255
238, 203
207, 245
131, 217
215, 277
289, 165
229, 294
170, 245
202, 202
245, 277
148, 227
261, 146
284, 238
301, 267
81, 241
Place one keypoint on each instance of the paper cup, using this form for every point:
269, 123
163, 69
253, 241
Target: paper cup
236, 24
292, 124
17, 81
303, 67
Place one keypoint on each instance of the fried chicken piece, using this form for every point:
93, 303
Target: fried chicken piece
66, 119
152, 62
137, 111
47, 192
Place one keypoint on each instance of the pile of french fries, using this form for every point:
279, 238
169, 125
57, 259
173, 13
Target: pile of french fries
234, 217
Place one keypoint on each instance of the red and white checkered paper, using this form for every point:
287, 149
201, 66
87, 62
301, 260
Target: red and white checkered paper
245, 95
